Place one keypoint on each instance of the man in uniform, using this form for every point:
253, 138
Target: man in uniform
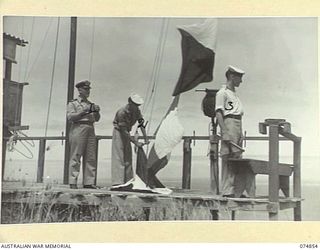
82, 114
229, 112
121, 160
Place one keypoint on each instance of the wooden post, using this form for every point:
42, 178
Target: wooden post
186, 173
146, 211
214, 214
297, 178
214, 164
7, 76
4, 151
41, 158
71, 79
97, 149
274, 168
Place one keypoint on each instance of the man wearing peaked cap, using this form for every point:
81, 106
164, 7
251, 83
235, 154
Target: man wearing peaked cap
83, 84
121, 159
229, 112
82, 114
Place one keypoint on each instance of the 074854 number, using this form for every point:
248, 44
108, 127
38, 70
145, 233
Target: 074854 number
312, 246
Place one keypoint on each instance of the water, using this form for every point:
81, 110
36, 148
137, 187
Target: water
26, 170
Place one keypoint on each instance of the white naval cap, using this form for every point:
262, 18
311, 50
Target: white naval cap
235, 70
136, 99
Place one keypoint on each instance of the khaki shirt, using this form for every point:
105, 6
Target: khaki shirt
127, 116
77, 106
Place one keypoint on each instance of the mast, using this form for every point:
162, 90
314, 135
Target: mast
71, 80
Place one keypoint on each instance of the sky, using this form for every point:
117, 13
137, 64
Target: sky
279, 56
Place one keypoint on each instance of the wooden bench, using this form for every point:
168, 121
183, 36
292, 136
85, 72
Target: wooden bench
246, 168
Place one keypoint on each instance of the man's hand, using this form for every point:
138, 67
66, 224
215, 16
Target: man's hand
138, 144
225, 136
96, 108
85, 110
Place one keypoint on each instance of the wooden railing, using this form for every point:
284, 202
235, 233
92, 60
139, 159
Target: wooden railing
187, 155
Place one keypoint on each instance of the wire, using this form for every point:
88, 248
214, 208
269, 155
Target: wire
21, 50
155, 65
41, 47
52, 76
13, 141
19, 77
92, 44
29, 49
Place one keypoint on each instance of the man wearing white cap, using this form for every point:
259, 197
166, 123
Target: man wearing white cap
229, 112
121, 160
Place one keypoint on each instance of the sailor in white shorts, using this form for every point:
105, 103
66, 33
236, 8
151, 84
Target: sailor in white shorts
229, 112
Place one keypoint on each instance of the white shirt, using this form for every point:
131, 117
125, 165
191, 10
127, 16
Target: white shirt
228, 102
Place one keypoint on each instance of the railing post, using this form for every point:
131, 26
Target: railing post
186, 172
274, 168
297, 178
214, 164
4, 151
97, 154
41, 158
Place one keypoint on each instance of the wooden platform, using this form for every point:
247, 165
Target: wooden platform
57, 203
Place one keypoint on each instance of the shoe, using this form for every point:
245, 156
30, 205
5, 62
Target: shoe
91, 186
73, 186
228, 195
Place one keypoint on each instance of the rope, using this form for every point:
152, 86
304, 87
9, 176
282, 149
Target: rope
92, 43
158, 70
152, 87
13, 141
21, 50
29, 49
19, 72
41, 47
52, 76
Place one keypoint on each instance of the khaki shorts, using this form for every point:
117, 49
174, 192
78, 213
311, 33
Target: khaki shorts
234, 128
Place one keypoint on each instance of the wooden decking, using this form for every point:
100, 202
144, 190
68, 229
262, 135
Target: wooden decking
57, 203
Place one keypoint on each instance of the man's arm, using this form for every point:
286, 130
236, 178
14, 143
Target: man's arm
96, 113
125, 132
73, 115
223, 128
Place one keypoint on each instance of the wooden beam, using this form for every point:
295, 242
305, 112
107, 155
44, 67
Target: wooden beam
274, 169
261, 167
297, 179
41, 159
71, 80
186, 168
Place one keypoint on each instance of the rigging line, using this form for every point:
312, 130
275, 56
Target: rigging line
92, 43
41, 47
155, 63
21, 50
20, 133
30, 156
19, 74
52, 76
154, 73
158, 70
163, 43
29, 50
